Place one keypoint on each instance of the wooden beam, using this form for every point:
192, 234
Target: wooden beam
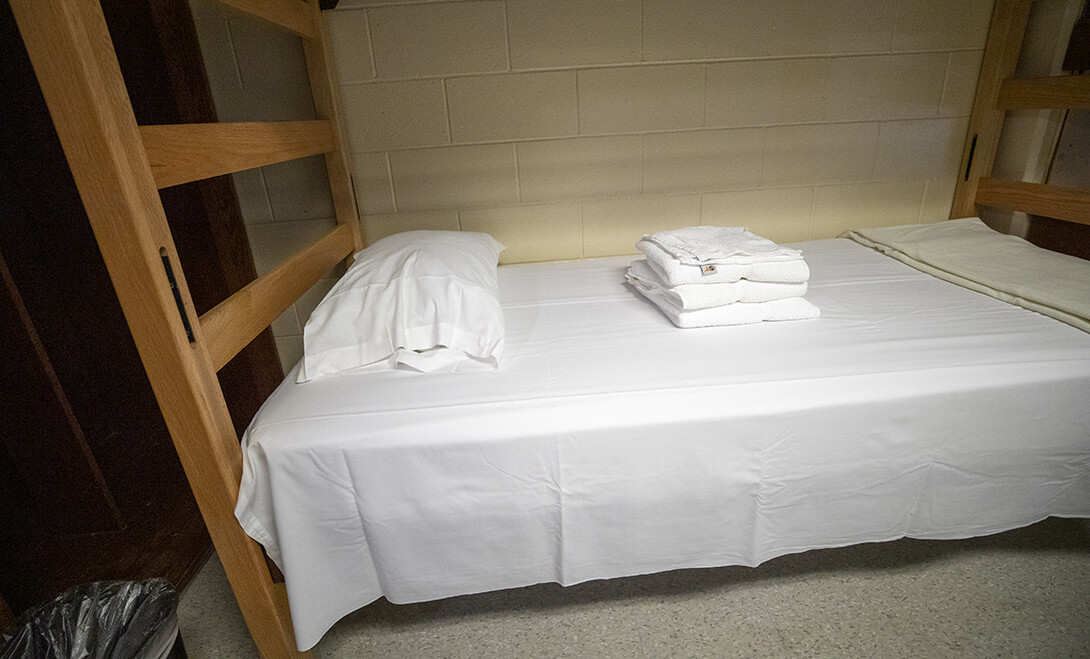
323, 87
69, 46
1050, 93
292, 15
232, 324
180, 153
1036, 199
1009, 18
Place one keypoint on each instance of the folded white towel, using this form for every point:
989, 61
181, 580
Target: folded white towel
701, 296
674, 273
720, 245
739, 313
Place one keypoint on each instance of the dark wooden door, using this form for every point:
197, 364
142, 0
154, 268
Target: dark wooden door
42, 439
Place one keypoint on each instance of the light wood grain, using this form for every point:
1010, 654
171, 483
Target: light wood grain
1051, 93
180, 153
292, 15
232, 324
69, 46
323, 86
1036, 199
1008, 26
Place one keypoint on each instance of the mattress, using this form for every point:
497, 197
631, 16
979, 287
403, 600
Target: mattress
611, 443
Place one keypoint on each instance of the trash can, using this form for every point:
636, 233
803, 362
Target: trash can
102, 620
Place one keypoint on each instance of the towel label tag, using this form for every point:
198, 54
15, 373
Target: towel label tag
707, 269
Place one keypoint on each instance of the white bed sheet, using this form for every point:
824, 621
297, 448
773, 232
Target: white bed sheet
611, 443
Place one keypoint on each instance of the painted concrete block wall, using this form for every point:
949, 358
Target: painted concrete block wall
568, 128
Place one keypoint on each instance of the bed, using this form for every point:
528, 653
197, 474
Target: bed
611, 443
963, 402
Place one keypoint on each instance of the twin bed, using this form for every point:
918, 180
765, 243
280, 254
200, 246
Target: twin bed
609, 442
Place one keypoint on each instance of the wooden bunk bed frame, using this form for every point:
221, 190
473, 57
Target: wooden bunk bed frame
119, 167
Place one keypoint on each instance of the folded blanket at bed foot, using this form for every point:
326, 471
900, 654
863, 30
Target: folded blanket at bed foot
710, 276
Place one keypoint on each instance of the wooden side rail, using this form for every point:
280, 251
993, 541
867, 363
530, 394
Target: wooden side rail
292, 15
1051, 93
1036, 199
323, 90
232, 324
180, 153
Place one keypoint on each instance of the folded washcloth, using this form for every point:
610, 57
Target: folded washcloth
739, 313
720, 245
701, 296
674, 272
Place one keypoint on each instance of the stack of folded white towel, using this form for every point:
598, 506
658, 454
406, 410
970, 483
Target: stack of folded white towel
706, 276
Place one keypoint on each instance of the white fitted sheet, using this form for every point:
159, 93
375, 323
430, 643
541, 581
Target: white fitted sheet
610, 443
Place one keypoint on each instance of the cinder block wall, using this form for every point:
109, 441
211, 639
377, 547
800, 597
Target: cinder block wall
568, 128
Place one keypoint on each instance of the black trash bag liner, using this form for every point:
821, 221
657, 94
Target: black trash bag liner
102, 620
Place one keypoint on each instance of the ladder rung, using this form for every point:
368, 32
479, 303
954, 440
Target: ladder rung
180, 153
1051, 93
1036, 199
232, 324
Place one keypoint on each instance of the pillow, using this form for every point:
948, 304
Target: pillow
426, 299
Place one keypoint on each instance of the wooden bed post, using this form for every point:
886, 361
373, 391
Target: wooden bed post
1008, 26
73, 57
997, 92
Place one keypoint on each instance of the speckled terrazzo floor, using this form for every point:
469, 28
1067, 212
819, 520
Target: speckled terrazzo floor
1025, 593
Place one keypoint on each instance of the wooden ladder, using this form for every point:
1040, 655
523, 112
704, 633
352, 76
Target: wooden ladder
997, 92
119, 167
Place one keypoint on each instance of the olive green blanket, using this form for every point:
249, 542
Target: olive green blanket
969, 253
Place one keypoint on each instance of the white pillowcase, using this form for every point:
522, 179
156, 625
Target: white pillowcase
426, 299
